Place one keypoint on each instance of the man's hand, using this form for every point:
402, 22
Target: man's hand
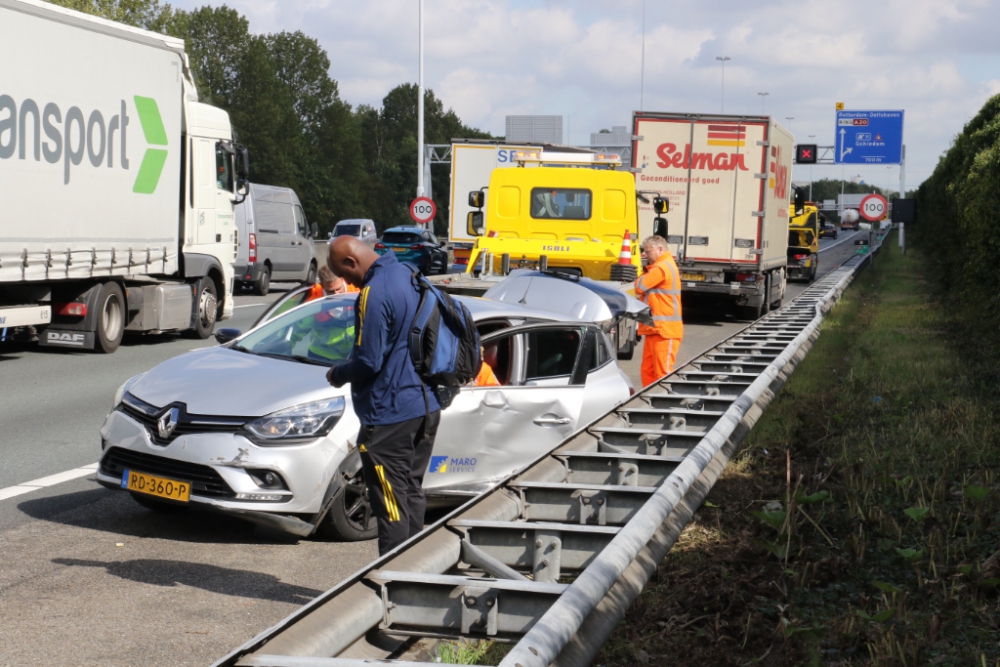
329, 377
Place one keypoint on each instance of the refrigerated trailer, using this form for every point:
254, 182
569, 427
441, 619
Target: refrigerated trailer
728, 180
117, 186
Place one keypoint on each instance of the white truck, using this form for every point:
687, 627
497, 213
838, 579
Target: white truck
472, 163
116, 186
728, 180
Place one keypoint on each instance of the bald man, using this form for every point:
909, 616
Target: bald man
399, 413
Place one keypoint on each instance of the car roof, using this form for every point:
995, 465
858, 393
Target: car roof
406, 229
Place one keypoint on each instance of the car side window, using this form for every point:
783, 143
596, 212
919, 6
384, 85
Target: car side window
300, 221
551, 353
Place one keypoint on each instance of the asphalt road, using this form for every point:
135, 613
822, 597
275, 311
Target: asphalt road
91, 578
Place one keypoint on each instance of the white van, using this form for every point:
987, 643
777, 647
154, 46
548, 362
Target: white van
275, 241
361, 228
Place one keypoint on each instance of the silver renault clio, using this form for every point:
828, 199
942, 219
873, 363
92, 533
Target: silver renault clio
252, 427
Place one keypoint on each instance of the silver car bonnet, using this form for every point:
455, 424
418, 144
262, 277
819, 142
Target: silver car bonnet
579, 298
220, 381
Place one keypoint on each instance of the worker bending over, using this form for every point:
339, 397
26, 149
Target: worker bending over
659, 287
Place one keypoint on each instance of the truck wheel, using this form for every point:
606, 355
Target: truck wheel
350, 517
110, 317
262, 285
208, 308
765, 307
624, 273
311, 276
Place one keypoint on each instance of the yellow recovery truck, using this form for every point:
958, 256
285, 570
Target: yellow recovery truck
803, 238
561, 211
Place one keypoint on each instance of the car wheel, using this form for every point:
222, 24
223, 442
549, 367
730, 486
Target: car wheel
262, 285
208, 308
350, 517
311, 276
110, 317
156, 504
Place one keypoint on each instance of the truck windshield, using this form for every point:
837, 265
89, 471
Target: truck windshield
562, 203
348, 230
223, 167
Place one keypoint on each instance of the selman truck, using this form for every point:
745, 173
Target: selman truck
117, 186
727, 179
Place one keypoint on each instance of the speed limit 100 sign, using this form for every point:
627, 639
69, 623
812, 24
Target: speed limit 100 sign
873, 207
422, 210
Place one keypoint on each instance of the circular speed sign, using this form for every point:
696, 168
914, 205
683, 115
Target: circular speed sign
422, 210
873, 207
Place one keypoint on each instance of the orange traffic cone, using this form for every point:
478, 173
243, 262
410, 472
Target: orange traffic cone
625, 256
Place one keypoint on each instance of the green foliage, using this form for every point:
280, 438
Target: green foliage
287, 111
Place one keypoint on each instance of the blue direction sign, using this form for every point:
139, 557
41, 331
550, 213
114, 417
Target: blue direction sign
869, 137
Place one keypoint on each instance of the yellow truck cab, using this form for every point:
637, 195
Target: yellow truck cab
803, 239
565, 211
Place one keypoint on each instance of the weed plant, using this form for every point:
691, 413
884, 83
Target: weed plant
859, 523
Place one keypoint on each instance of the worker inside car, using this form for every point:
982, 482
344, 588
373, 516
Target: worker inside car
329, 334
486, 377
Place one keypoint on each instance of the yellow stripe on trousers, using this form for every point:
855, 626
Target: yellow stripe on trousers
390, 499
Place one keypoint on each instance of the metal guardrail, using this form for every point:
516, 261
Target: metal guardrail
551, 559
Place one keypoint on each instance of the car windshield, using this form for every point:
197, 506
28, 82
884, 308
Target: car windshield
400, 237
320, 332
348, 230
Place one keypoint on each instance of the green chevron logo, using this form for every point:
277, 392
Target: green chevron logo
152, 162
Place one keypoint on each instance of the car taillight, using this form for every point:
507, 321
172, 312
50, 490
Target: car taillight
253, 247
380, 246
416, 246
746, 277
800, 257
72, 309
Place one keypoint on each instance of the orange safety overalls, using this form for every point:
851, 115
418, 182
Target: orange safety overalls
660, 288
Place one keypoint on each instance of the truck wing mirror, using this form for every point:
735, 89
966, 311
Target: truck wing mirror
313, 230
477, 198
661, 205
660, 227
242, 190
474, 223
243, 163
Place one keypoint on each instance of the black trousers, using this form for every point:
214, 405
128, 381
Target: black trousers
394, 458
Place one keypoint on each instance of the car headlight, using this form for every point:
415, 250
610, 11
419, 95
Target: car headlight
124, 388
298, 424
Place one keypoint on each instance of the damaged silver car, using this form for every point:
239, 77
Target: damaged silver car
253, 429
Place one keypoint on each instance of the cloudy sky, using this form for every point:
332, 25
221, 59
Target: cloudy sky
937, 60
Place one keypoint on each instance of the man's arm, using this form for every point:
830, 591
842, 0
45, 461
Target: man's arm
373, 318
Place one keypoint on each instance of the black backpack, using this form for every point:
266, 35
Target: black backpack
443, 341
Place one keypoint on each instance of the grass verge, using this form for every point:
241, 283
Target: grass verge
859, 523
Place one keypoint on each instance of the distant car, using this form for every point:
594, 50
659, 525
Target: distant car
828, 230
360, 228
417, 246
252, 427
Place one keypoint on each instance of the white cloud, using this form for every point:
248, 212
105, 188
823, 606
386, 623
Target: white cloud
581, 59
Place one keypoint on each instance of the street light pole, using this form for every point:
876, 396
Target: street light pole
811, 137
420, 101
642, 60
762, 96
722, 103
789, 119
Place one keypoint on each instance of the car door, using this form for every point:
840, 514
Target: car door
489, 432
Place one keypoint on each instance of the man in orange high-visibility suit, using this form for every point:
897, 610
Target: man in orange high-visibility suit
660, 288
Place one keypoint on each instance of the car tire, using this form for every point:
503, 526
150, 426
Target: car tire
156, 504
208, 310
111, 312
311, 276
262, 285
350, 517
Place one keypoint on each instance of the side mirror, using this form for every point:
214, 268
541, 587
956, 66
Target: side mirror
660, 227
313, 230
242, 190
242, 163
474, 222
661, 206
226, 334
477, 199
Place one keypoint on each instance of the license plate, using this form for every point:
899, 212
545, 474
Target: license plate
693, 277
152, 485
399, 249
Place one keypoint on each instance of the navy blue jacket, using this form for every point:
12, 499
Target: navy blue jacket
384, 384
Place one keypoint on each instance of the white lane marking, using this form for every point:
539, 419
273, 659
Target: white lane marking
251, 305
853, 234
50, 480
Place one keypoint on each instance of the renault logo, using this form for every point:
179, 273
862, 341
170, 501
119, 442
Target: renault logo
167, 422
